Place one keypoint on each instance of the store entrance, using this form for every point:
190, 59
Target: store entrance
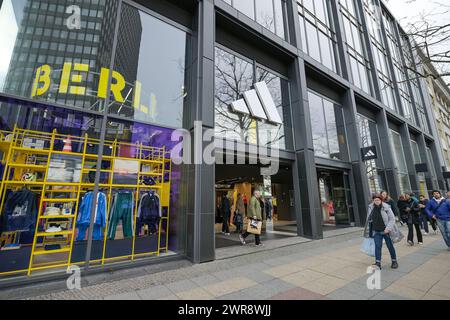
234, 181
335, 198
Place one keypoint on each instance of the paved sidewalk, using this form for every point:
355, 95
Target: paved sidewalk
332, 268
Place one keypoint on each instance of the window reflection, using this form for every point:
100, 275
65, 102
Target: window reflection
268, 13
233, 77
34, 34
150, 60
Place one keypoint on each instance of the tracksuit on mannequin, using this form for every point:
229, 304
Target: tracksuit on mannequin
121, 209
84, 216
149, 212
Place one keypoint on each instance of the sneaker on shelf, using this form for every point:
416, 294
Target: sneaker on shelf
53, 230
410, 243
241, 238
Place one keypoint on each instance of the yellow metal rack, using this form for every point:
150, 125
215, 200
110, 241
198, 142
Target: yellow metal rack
155, 161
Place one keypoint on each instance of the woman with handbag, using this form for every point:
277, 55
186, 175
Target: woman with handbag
380, 225
255, 217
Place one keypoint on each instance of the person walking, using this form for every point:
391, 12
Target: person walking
239, 214
423, 202
253, 212
438, 209
388, 200
226, 214
448, 195
380, 223
413, 213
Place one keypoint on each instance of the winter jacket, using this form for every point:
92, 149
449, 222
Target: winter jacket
20, 213
388, 218
149, 207
411, 216
84, 213
442, 213
254, 209
226, 206
240, 207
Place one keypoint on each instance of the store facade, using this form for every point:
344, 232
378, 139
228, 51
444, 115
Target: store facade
93, 97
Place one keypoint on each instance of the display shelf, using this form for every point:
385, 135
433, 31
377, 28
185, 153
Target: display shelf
41, 252
157, 160
51, 234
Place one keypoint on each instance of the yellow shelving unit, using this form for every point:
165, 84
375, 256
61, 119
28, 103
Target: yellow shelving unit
153, 162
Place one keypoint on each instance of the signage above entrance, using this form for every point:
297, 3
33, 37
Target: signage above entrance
369, 153
259, 104
421, 167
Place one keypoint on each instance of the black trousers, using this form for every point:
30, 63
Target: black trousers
425, 219
411, 232
257, 237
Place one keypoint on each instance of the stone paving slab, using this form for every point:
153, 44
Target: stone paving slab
332, 269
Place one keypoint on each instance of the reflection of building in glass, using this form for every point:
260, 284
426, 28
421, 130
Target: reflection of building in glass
44, 38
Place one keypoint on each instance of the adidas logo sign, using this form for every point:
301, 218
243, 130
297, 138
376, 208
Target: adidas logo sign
370, 154
259, 104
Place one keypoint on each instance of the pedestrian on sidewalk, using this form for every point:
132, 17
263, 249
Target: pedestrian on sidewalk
413, 210
388, 200
423, 202
448, 195
438, 209
380, 223
253, 212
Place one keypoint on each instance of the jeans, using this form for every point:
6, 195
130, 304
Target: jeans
411, 232
378, 237
444, 226
257, 237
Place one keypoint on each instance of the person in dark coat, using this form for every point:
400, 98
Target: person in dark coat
423, 202
411, 215
388, 200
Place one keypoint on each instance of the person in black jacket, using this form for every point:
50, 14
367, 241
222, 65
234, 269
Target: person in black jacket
226, 214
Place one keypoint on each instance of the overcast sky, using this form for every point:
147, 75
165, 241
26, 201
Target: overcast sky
411, 11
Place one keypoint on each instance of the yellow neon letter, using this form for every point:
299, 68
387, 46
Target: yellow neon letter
42, 76
116, 88
65, 77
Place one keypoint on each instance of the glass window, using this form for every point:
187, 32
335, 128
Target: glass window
328, 128
368, 132
400, 162
149, 72
356, 49
63, 79
317, 31
268, 13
